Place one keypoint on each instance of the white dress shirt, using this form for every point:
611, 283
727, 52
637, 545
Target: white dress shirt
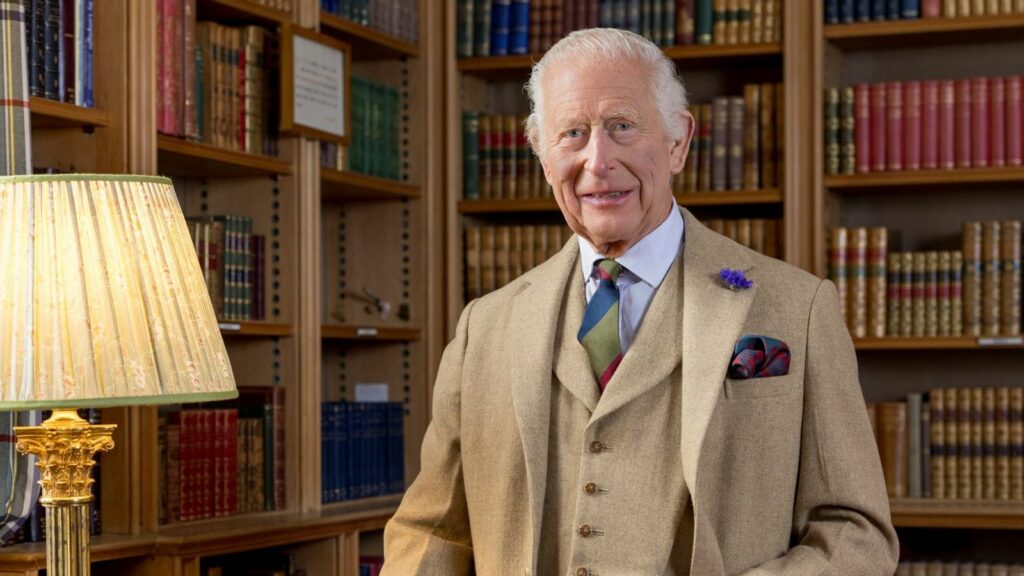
646, 264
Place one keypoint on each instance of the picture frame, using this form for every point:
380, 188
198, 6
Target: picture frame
316, 72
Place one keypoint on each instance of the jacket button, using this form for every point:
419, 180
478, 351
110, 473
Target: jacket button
590, 488
582, 572
596, 447
585, 531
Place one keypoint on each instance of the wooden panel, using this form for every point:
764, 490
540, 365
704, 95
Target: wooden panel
367, 43
910, 513
926, 179
51, 114
194, 159
346, 185
937, 30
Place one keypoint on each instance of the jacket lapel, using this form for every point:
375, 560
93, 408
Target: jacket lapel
533, 320
572, 364
713, 318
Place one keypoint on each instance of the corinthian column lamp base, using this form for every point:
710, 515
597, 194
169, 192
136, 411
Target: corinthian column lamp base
64, 447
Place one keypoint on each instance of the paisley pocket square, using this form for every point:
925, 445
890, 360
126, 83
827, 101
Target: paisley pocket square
759, 357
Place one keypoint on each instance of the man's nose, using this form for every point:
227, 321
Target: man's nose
599, 153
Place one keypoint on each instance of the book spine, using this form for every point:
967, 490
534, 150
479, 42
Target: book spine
486, 138
979, 122
832, 11
964, 130
997, 121
858, 278
892, 432
878, 127
1017, 443
1015, 124
470, 155
832, 131
482, 27
931, 294
910, 9
956, 294
1010, 271
847, 127
947, 125
929, 124
952, 437
914, 403
877, 255
936, 402
894, 272
931, 8
894, 126
988, 422
912, 125
519, 38
751, 137
464, 31
720, 143
965, 456
972, 283
685, 22
66, 32
926, 450
919, 299
977, 446
768, 132
1002, 443
990, 278
907, 295
705, 21
736, 143
862, 127
945, 306
509, 157
838, 268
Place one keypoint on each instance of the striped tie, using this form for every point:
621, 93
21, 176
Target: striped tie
599, 333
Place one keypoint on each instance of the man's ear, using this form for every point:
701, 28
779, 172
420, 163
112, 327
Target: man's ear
681, 148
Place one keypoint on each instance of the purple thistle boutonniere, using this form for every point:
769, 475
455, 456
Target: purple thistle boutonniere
735, 279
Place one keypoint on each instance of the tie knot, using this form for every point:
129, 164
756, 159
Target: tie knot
609, 269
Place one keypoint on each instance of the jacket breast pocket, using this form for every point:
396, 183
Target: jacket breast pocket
754, 388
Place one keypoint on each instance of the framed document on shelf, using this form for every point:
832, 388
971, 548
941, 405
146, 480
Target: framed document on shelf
315, 96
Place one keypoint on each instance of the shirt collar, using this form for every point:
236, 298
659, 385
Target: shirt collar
650, 258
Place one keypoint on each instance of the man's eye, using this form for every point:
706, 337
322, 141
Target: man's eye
620, 126
574, 133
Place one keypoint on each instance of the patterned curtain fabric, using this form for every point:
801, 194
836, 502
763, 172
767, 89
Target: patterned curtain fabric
19, 486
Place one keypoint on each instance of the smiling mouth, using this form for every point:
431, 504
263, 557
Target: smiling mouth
606, 197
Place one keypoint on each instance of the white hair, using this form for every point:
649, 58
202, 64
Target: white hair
610, 44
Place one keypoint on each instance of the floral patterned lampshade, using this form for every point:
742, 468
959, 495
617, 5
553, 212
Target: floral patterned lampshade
102, 299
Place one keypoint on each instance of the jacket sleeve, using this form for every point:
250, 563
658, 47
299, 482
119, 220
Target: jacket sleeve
842, 524
429, 534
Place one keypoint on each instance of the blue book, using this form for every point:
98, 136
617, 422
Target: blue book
892, 10
862, 10
846, 11
500, 25
606, 14
87, 99
878, 11
831, 11
396, 447
519, 40
911, 9
619, 18
326, 454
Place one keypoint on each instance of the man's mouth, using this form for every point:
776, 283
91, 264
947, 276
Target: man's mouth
606, 198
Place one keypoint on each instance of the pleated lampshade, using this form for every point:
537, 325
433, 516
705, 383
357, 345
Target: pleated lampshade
102, 299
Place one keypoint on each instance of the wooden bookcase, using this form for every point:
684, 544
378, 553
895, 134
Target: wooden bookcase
495, 85
926, 210
392, 235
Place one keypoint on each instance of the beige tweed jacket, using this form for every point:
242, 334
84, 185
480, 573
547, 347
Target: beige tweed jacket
783, 472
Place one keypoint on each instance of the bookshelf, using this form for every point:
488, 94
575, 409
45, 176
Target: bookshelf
924, 210
296, 346
493, 85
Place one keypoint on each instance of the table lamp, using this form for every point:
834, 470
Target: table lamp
102, 303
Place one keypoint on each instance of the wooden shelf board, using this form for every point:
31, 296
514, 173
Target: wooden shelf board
930, 178
903, 32
346, 185
930, 513
31, 556
179, 157
367, 43
270, 529
236, 11
942, 343
53, 114
492, 66
772, 196
240, 329
369, 333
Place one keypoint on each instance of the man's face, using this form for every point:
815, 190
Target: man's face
609, 159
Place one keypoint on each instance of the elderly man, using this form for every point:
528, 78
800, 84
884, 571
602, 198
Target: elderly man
655, 399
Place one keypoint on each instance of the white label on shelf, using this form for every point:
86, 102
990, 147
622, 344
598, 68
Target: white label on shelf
371, 392
319, 84
366, 332
1001, 341
232, 326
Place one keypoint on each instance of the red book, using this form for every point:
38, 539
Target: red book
931, 8
929, 124
878, 127
894, 125
997, 122
979, 122
947, 125
912, 125
862, 128
1014, 121
963, 123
